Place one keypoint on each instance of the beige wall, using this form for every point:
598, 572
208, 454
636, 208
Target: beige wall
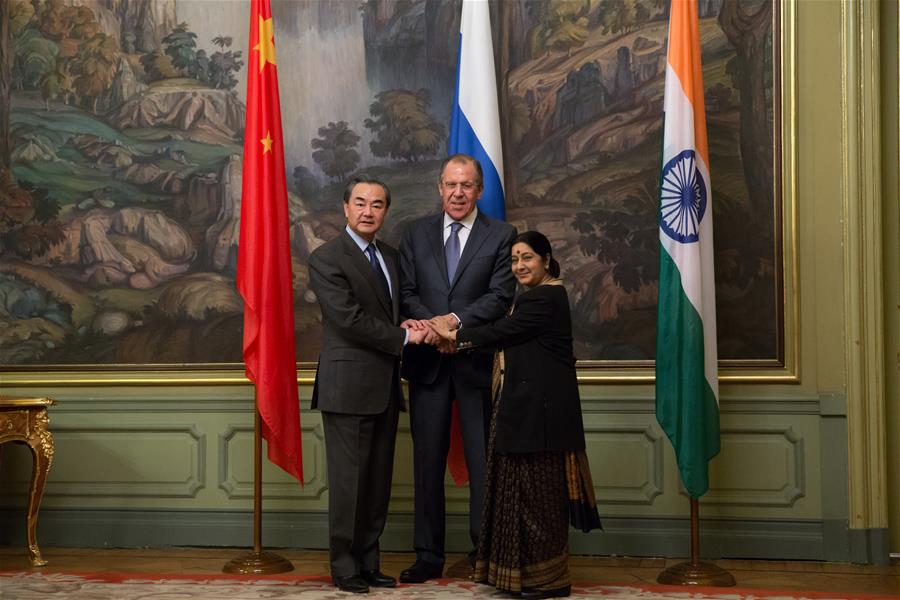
847, 215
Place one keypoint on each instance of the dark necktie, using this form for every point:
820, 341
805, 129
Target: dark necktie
451, 250
379, 273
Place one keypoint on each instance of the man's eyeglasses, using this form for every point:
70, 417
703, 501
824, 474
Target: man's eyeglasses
465, 186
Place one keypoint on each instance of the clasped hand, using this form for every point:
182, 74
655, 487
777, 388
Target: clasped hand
437, 331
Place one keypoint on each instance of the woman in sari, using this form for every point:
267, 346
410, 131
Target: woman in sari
538, 481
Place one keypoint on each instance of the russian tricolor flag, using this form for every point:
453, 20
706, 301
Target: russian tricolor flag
475, 122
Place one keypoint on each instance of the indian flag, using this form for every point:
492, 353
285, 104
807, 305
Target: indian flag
687, 390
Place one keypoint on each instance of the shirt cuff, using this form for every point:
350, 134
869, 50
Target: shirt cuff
406, 337
458, 320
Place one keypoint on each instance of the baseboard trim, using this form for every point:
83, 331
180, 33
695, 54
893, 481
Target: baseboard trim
721, 538
870, 546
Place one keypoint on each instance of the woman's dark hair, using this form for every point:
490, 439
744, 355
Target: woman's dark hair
540, 244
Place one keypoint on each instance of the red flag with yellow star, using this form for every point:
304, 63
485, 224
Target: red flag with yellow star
264, 277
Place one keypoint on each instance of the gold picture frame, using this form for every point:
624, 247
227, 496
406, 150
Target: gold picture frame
782, 368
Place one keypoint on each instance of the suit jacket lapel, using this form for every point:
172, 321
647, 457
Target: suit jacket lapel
390, 260
436, 238
477, 236
361, 263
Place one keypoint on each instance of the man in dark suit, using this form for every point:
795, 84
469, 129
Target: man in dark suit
454, 265
357, 385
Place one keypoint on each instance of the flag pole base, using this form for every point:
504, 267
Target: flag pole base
699, 573
258, 563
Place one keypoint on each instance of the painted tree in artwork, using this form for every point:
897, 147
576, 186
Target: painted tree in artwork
562, 25
305, 182
402, 126
94, 67
28, 217
224, 64
55, 20
335, 149
5, 80
15, 203
60, 50
181, 47
158, 65
625, 235
622, 16
749, 33
35, 58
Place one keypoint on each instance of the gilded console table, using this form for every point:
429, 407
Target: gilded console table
26, 420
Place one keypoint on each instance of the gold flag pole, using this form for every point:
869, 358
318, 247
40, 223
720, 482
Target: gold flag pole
696, 572
257, 562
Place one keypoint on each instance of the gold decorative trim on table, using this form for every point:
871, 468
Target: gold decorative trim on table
25, 419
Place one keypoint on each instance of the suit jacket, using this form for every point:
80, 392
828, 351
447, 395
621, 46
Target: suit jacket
540, 409
361, 341
481, 291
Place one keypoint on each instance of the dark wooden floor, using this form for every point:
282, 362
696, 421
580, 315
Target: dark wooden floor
789, 575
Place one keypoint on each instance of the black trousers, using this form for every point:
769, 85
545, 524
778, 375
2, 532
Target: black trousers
359, 452
430, 407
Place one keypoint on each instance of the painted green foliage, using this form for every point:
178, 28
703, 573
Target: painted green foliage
119, 217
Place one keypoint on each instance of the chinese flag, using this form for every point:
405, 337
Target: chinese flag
264, 277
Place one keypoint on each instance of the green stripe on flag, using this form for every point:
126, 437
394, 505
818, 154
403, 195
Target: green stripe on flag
686, 407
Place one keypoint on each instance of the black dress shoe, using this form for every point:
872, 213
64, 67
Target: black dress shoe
528, 594
351, 583
376, 578
421, 572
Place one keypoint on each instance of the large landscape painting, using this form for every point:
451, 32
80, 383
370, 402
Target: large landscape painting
121, 125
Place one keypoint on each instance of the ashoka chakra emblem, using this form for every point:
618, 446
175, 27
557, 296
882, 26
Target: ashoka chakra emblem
682, 196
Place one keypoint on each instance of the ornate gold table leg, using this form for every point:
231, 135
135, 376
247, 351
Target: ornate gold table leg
41, 443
